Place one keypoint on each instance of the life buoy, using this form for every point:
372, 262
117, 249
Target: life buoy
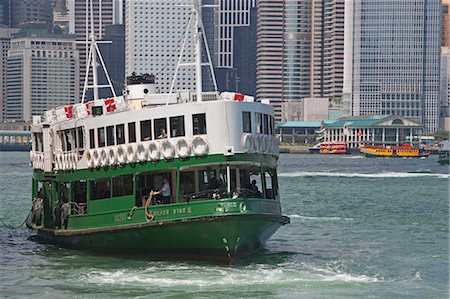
63, 161
256, 144
141, 153
69, 161
103, 158
268, 144
200, 146
90, 158
183, 148
131, 154
75, 160
96, 157
153, 151
112, 156
31, 158
120, 155
167, 149
247, 143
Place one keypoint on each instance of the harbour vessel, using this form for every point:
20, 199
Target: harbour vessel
404, 150
183, 174
444, 153
330, 148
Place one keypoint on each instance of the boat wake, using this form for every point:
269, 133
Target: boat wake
321, 218
364, 175
205, 277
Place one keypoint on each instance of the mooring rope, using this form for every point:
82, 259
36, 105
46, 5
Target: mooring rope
15, 227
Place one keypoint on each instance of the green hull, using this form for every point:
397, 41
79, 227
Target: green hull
215, 237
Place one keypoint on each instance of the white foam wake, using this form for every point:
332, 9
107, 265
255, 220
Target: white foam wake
363, 175
321, 218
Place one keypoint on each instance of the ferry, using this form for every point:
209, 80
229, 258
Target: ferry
444, 153
404, 150
333, 148
183, 174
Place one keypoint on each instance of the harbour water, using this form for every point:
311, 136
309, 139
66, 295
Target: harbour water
360, 228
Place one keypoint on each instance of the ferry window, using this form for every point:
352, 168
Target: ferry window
258, 119
131, 132
270, 181
100, 189
160, 128
79, 192
250, 180
187, 182
110, 135
177, 126
208, 180
101, 137
199, 124
271, 126
246, 122
146, 130
265, 124
69, 138
120, 134
80, 137
91, 138
123, 185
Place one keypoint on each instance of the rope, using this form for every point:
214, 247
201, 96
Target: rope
15, 227
148, 216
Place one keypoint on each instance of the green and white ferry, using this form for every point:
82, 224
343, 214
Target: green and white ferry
99, 169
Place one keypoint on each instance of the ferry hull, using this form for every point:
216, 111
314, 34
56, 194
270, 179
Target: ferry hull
215, 237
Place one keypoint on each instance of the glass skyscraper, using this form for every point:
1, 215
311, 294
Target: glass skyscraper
392, 58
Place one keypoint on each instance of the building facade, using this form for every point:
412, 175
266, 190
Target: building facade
300, 50
5, 42
42, 73
5, 12
32, 13
392, 59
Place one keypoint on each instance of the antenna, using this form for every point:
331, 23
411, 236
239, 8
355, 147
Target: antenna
94, 52
199, 38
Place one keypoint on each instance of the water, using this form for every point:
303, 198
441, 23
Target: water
360, 228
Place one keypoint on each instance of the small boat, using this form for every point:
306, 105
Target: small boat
333, 148
315, 149
444, 152
406, 150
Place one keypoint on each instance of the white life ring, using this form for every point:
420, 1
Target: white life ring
200, 146
141, 153
69, 161
39, 162
131, 154
103, 158
64, 161
55, 158
247, 143
183, 148
168, 150
111, 156
256, 144
268, 142
90, 158
153, 151
74, 160
120, 155
96, 157
60, 158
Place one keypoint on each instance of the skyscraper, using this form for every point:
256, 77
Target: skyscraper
392, 58
32, 13
5, 41
79, 24
300, 50
4, 12
42, 73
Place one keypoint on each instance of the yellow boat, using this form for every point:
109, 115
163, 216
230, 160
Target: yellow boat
405, 150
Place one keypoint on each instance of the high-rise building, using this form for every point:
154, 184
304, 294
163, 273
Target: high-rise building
42, 73
79, 24
392, 58
5, 12
61, 16
446, 23
154, 37
32, 14
300, 50
113, 54
5, 41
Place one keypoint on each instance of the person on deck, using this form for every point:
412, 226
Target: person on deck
165, 192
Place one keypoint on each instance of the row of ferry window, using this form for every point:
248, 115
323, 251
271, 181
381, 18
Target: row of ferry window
115, 135
264, 123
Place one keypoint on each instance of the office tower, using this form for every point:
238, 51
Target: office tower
300, 50
153, 38
42, 73
230, 29
32, 14
79, 24
446, 23
114, 56
392, 58
5, 41
4, 12
61, 17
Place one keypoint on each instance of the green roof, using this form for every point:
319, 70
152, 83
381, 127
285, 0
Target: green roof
301, 124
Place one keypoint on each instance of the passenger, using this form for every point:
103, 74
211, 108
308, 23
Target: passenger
165, 192
145, 192
254, 187
162, 134
214, 183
